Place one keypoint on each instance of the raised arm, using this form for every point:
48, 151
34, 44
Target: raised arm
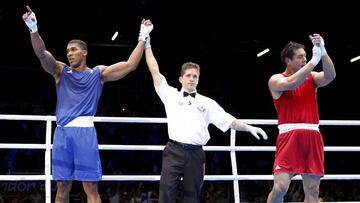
47, 60
328, 74
279, 83
152, 64
121, 69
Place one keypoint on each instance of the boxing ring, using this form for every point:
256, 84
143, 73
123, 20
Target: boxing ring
232, 149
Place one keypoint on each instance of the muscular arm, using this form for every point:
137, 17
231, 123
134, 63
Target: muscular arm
47, 60
279, 83
121, 69
153, 67
328, 74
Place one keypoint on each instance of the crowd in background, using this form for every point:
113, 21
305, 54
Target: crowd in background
131, 103
128, 162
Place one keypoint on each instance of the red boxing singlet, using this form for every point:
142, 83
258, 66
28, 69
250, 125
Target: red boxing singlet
299, 150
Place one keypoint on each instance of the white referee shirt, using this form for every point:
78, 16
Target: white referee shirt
188, 118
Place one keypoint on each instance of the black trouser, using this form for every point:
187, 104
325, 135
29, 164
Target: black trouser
178, 163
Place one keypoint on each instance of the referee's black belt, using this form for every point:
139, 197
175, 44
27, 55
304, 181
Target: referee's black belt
184, 145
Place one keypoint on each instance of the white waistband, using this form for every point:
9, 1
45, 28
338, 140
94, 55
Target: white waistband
81, 121
283, 128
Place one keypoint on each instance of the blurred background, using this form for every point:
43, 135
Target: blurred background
224, 37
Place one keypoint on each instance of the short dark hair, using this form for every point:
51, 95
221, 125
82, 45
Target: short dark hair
289, 50
81, 43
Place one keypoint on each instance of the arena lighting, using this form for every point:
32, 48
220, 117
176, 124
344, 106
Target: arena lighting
114, 36
263, 52
355, 59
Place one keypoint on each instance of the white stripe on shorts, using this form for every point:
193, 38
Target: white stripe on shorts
81, 121
283, 128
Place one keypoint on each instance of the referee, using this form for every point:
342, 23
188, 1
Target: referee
188, 116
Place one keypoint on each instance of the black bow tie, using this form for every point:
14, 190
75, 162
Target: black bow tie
191, 94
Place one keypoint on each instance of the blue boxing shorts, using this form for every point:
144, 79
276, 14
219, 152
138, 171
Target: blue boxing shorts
75, 154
